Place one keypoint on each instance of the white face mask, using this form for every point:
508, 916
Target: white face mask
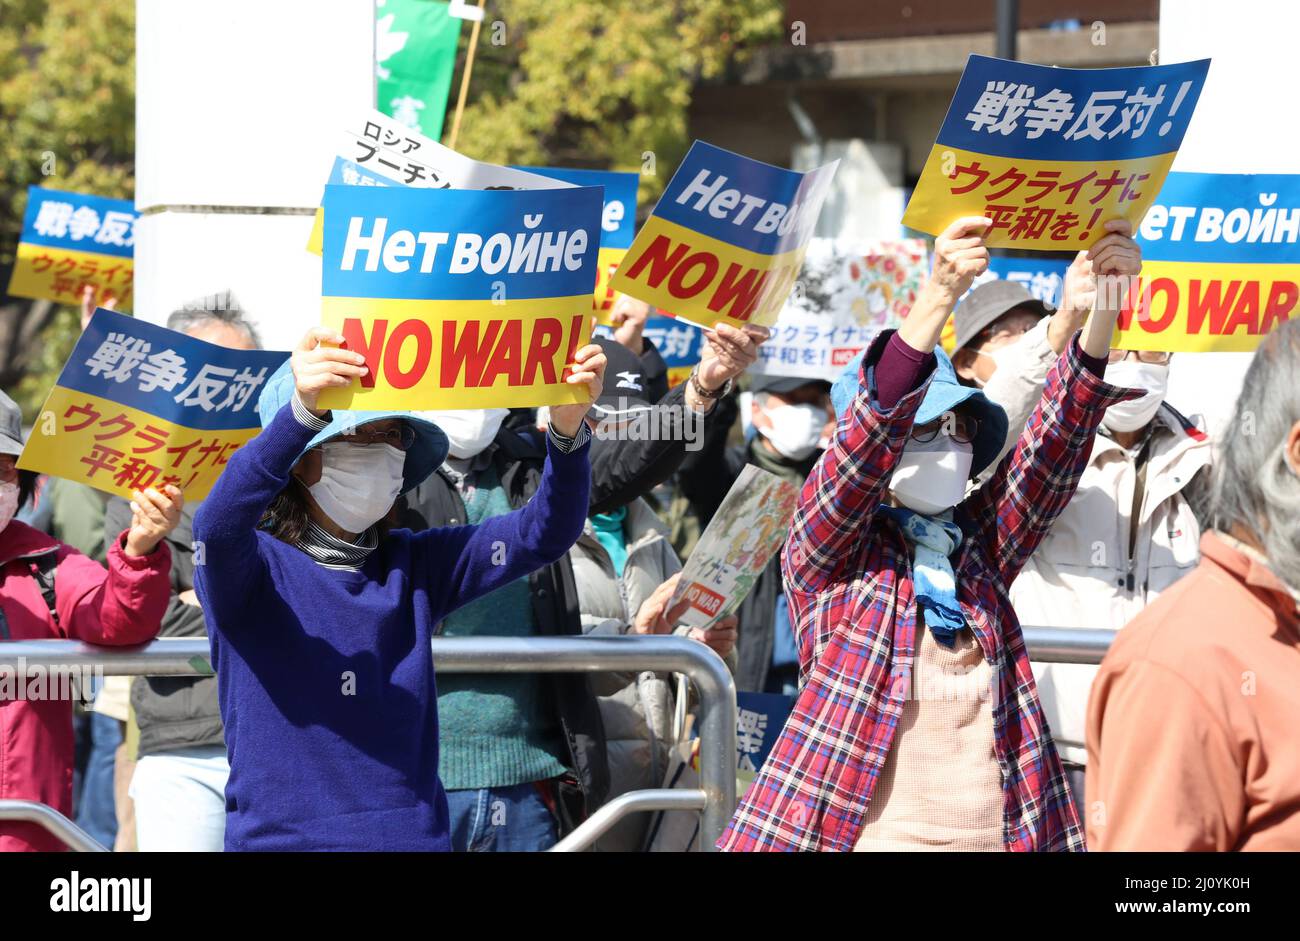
468, 430
796, 430
358, 484
931, 476
8, 503
998, 357
1130, 416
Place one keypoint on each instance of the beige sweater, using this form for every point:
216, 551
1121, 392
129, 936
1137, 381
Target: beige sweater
941, 786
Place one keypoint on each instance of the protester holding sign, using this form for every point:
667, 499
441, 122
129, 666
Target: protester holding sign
321, 617
49, 590
178, 787
1006, 340
792, 421
914, 673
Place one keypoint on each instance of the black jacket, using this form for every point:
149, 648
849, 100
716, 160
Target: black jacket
173, 711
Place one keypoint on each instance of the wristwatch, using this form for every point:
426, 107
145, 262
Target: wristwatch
703, 392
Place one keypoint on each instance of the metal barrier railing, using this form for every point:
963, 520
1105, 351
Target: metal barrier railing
715, 798
1067, 644
46, 817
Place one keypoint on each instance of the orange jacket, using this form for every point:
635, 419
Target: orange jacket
1192, 718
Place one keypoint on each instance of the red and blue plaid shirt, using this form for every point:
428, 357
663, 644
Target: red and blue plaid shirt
848, 582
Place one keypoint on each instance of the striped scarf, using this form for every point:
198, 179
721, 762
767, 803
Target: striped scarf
333, 553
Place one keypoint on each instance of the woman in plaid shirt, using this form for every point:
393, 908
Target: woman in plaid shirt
917, 724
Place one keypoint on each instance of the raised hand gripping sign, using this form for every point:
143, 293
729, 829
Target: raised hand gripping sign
726, 240
138, 405
1220, 266
1051, 154
460, 298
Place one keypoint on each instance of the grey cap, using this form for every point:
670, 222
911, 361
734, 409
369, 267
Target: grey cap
11, 426
987, 303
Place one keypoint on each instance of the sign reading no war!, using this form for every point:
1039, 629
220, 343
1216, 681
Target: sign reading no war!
1051, 154
726, 240
138, 405
460, 298
1220, 265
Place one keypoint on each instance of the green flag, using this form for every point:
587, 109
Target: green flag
415, 52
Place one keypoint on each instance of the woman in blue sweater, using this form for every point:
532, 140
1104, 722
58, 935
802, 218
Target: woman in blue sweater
320, 619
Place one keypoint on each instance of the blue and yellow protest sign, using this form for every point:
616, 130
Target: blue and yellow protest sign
726, 240
460, 298
1220, 266
71, 240
760, 717
138, 405
680, 344
617, 222
1051, 154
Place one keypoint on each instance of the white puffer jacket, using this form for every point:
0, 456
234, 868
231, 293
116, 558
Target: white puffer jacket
1083, 576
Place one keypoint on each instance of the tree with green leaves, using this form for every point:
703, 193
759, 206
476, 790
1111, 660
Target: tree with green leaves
602, 84
67, 104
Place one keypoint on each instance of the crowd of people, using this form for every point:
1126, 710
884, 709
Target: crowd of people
1035, 476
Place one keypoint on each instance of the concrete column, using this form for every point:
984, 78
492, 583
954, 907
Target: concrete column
240, 108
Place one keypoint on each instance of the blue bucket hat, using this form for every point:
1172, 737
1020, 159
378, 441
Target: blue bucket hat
944, 394
423, 457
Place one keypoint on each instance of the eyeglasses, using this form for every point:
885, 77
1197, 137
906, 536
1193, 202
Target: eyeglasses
401, 437
8, 468
961, 428
1150, 357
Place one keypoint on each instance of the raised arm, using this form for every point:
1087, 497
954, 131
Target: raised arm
1016, 508
848, 483
467, 562
125, 604
622, 470
225, 527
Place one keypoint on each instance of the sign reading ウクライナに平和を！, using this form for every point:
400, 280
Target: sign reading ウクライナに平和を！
460, 298
384, 149
726, 239
617, 222
138, 405
1051, 154
1220, 263
71, 240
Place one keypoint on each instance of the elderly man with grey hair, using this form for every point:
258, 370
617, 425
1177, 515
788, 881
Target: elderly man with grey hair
1192, 720
179, 781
